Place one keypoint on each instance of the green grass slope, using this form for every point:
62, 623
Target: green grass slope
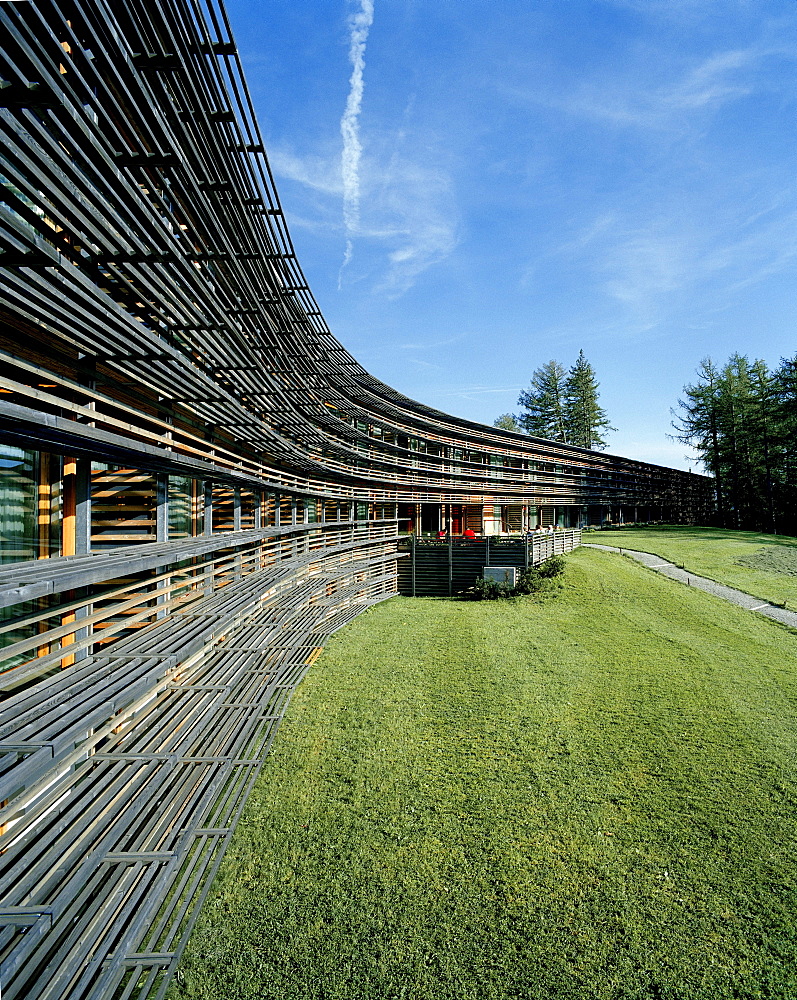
763, 565
591, 796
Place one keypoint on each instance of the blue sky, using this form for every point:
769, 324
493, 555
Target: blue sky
526, 178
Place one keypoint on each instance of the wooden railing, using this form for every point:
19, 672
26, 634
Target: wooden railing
126, 752
448, 566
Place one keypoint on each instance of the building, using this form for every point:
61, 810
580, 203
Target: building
199, 483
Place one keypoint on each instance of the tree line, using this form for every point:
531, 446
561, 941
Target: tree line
741, 418
562, 406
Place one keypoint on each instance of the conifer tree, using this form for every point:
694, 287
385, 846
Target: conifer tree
742, 420
544, 403
508, 422
585, 419
763, 393
699, 424
784, 438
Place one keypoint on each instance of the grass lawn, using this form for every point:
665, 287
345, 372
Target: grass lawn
586, 796
763, 565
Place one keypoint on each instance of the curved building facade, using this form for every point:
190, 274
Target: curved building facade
199, 484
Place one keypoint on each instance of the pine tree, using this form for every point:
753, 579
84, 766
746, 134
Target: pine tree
585, 420
763, 391
784, 438
736, 419
739, 432
699, 425
508, 422
544, 403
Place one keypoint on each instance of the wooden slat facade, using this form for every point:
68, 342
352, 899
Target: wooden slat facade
198, 483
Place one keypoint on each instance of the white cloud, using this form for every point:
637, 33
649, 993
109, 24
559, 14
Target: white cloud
398, 199
407, 213
647, 266
424, 364
475, 391
631, 97
416, 205
709, 85
360, 24
650, 254
430, 345
317, 172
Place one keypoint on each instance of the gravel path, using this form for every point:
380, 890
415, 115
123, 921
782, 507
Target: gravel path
718, 589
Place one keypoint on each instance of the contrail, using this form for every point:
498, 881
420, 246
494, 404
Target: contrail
350, 128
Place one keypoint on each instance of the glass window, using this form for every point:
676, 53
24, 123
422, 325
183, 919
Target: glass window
181, 502
18, 504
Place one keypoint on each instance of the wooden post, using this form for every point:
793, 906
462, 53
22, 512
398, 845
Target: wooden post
162, 529
44, 506
236, 526
76, 538
44, 521
236, 508
208, 525
82, 507
450, 565
161, 508
197, 505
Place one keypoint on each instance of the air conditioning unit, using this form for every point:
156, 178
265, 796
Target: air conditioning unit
501, 574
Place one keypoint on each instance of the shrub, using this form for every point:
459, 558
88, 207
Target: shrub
489, 590
529, 581
554, 566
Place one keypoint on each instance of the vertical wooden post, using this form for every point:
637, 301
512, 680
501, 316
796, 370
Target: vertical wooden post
208, 525
412, 550
195, 508
236, 526
83, 508
76, 537
450, 565
207, 529
236, 508
44, 506
162, 529
161, 508
77, 507
44, 521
